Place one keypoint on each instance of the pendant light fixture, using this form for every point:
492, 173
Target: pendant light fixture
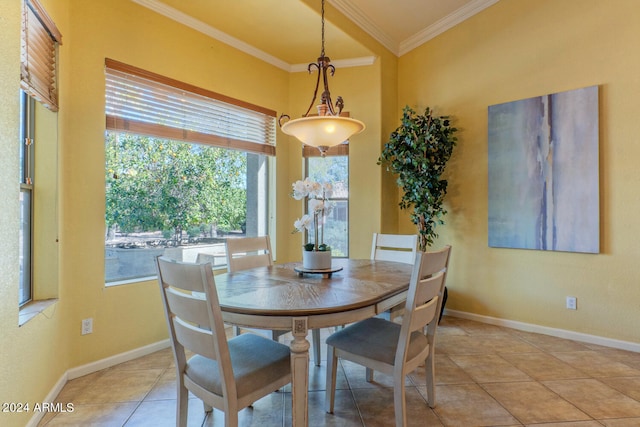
327, 128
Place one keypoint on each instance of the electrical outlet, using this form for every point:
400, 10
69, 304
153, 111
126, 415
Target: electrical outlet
572, 303
87, 326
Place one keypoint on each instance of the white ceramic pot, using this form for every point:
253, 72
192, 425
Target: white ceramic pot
316, 260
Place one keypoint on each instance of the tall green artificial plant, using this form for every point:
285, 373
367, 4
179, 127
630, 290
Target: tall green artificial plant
417, 152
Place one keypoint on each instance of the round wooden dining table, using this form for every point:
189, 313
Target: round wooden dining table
281, 298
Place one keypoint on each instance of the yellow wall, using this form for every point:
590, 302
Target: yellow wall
518, 49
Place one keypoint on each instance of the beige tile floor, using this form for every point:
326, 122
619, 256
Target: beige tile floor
486, 376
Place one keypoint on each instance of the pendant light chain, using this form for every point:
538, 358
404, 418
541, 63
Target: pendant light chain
322, 52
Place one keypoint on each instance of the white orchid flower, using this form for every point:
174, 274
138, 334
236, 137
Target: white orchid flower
319, 207
299, 190
314, 188
303, 223
316, 205
308, 184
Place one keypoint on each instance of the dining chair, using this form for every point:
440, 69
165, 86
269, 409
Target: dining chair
392, 348
227, 375
397, 248
251, 252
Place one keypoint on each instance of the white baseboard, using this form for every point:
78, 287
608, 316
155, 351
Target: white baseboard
92, 367
108, 362
560, 333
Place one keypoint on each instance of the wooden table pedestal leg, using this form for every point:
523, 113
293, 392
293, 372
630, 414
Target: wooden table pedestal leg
300, 371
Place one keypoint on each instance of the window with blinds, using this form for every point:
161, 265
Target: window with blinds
142, 102
185, 169
40, 39
38, 82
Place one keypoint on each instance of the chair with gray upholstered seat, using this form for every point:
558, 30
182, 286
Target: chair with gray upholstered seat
392, 348
227, 375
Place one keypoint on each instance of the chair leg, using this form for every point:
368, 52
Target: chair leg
429, 367
231, 418
315, 335
330, 384
182, 405
399, 401
369, 375
236, 330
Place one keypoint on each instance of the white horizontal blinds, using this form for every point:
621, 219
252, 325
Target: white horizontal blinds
40, 38
142, 102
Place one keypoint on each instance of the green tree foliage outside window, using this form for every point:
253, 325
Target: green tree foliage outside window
155, 184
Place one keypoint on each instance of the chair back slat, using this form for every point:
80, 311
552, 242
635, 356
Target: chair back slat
195, 339
188, 307
182, 276
423, 315
436, 261
425, 294
248, 261
394, 247
394, 255
248, 252
428, 288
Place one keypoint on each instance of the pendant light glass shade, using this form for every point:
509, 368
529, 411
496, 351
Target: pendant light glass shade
323, 131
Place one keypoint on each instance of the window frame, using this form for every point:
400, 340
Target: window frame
341, 150
138, 101
27, 156
40, 39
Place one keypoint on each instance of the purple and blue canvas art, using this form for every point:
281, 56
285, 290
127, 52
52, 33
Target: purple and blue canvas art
543, 173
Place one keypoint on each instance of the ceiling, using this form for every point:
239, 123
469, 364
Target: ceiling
287, 33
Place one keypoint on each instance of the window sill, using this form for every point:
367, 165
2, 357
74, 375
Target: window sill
33, 308
216, 270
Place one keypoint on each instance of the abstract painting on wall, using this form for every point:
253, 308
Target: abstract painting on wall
543, 173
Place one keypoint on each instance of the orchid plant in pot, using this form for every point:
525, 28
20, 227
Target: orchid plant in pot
316, 254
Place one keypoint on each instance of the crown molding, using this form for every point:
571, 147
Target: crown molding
184, 19
444, 24
212, 32
361, 20
421, 37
